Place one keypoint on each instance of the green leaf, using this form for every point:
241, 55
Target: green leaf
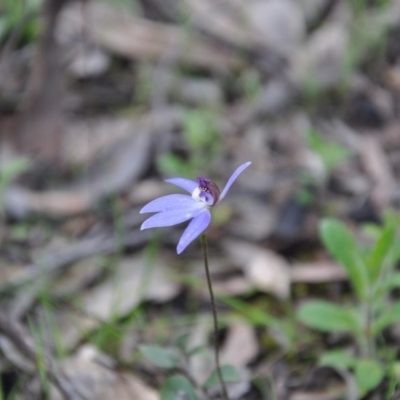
394, 370
160, 356
229, 374
340, 243
371, 231
4, 27
177, 387
381, 249
250, 81
255, 315
393, 281
12, 169
181, 340
390, 317
171, 164
339, 359
328, 317
368, 374
331, 153
199, 129
196, 350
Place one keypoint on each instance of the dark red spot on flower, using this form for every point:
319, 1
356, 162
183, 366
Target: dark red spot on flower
208, 186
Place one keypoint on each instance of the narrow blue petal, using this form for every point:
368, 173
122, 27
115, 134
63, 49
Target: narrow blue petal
170, 202
173, 217
183, 183
196, 227
232, 179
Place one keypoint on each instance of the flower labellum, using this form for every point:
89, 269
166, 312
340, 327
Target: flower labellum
207, 191
176, 208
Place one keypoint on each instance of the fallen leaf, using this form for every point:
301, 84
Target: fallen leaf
265, 269
322, 59
136, 279
94, 378
134, 37
317, 272
255, 220
243, 337
280, 22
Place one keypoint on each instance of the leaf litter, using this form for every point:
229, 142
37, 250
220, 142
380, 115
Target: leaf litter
290, 83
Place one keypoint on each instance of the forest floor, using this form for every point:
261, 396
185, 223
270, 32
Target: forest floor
100, 102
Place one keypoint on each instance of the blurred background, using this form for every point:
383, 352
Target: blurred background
100, 101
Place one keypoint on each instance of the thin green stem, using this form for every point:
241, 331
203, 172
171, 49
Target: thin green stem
204, 247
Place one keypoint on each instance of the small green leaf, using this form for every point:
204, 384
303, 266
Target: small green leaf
12, 169
393, 281
181, 340
254, 314
381, 249
338, 359
342, 246
199, 129
196, 350
250, 81
368, 374
371, 231
170, 164
394, 370
160, 356
177, 387
229, 374
328, 317
331, 153
390, 317
257, 316
20, 232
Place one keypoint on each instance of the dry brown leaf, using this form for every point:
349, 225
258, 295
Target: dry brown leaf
264, 269
89, 62
94, 379
240, 336
317, 272
322, 59
19, 202
334, 393
280, 23
255, 220
240, 347
147, 190
84, 140
138, 38
136, 279
225, 20
78, 276
234, 286
117, 169
201, 363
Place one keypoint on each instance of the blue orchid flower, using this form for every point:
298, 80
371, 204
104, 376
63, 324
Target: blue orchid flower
174, 209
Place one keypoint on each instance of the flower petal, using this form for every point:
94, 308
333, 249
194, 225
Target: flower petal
232, 179
196, 227
183, 183
173, 217
170, 202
